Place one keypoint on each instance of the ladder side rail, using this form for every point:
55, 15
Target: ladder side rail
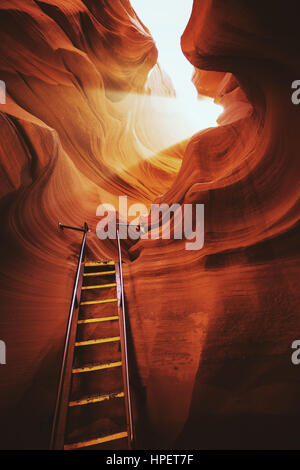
123, 334
61, 403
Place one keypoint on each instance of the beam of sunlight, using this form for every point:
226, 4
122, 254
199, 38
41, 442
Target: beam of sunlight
166, 20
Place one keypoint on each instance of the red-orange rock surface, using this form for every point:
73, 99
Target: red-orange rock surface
211, 330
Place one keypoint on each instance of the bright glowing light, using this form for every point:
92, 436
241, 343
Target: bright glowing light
166, 20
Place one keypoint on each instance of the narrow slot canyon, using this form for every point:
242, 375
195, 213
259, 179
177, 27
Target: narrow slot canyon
161, 104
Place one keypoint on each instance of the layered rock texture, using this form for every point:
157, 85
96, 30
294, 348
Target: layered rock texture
210, 330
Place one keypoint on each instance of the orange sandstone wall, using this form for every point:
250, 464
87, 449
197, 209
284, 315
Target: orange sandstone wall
213, 329
71, 138
210, 330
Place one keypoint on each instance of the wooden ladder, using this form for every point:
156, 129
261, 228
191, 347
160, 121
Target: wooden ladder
95, 406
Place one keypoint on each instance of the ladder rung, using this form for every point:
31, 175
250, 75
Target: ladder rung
91, 264
93, 442
96, 399
103, 273
91, 368
94, 302
98, 287
98, 341
97, 320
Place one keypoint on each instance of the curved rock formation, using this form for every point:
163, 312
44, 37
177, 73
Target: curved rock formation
71, 138
211, 329
225, 317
